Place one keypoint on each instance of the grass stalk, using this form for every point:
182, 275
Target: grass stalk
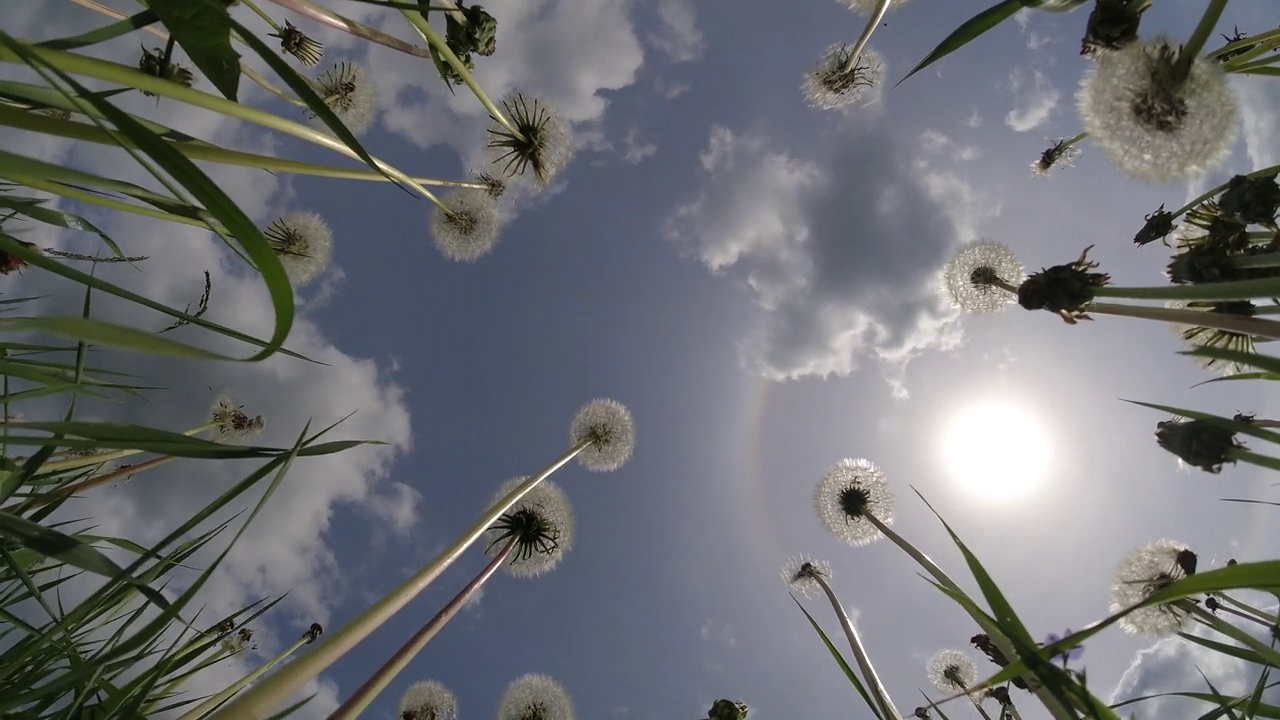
887, 709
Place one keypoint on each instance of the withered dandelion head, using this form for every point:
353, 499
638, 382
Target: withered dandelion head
298, 44
232, 422
831, 83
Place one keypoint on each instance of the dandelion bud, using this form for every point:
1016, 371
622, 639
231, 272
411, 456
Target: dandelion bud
304, 244
1113, 24
952, 671
847, 495
1063, 289
296, 43
155, 63
314, 632
1158, 226
834, 83
1251, 200
1198, 443
608, 424
727, 710
541, 139
535, 697
1144, 572
479, 35
428, 700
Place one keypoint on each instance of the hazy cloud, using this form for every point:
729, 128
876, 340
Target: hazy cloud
678, 36
1034, 99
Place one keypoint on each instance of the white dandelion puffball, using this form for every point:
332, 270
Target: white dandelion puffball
544, 144
468, 229
801, 574
304, 244
1148, 124
967, 279
546, 509
866, 7
1145, 571
349, 93
830, 84
847, 494
428, 700
951, 671
535, 697
608, 423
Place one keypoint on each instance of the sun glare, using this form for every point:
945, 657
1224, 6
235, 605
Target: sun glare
996, 449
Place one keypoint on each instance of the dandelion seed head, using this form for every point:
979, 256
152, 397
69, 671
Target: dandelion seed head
304, 244
968, 276
866, 7
535, 697
428, 700
1145, 571
542, 522
350, 94
469, 229
847, 494
543, 143
951, 671
801, 574
609, 424
829, 85
1150, 125
1198, 336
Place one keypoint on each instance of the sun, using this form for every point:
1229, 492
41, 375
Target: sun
996, 449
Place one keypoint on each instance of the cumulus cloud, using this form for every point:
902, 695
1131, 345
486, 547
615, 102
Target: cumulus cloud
1034, 99
798, 233
678, 36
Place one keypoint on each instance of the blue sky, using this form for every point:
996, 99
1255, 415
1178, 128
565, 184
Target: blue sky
756, 280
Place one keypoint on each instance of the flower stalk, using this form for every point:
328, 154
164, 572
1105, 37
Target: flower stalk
1204, 29
214, 701
877, 15
887, 710
378, 681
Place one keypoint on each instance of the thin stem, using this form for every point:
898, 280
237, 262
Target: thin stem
117, 73
79, 462
1226, 628
212, 702
89, 483
1272, 170
433, 38
1245, 615
992, 630
262, 699
878, 691
1246, 607
876, 15
1263, 260
1255, 43
93, 198
1228, 290
1204, 29
274, 25
1195, 318
394, 665
1005, 285
327, 17
981, 710
200, 150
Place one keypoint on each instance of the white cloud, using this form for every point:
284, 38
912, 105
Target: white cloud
670, 91
1034, 99
1260, 114
797, 233
635, 151
974, 120
678, 36
1035, 40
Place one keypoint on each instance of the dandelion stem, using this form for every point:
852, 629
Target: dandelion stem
1193, 46
209, 704
1229, 290
1264, 260
992, 630
976, 704
89, 483
1272, 619
887, 710
274, 26
1246, 616
324, 16
1231, 631
262, 699
872, 22
378, 682
419, 22
1194, 318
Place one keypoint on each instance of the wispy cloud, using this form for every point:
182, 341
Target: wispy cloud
1034, 99
635, 151
678, 36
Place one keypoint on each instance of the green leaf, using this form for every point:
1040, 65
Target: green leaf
1240, 376
835, 653
34, 209
1267, 363
102, 34
203, 29
969, 31
99, 332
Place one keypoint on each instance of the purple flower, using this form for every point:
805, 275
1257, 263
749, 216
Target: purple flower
1067, 655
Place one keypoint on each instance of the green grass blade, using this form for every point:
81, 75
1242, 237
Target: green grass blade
835, 653
34, 209
969, 31
102, 34
203, 29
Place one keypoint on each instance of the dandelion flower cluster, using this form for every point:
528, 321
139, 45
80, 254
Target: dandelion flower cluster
466, 228
609, 425
952, 671
831, 83
848, 494
801, 573
304, 244
1145, 571
349, 93
535, 697
428, 700
1151, 124
541, 523
973, 276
